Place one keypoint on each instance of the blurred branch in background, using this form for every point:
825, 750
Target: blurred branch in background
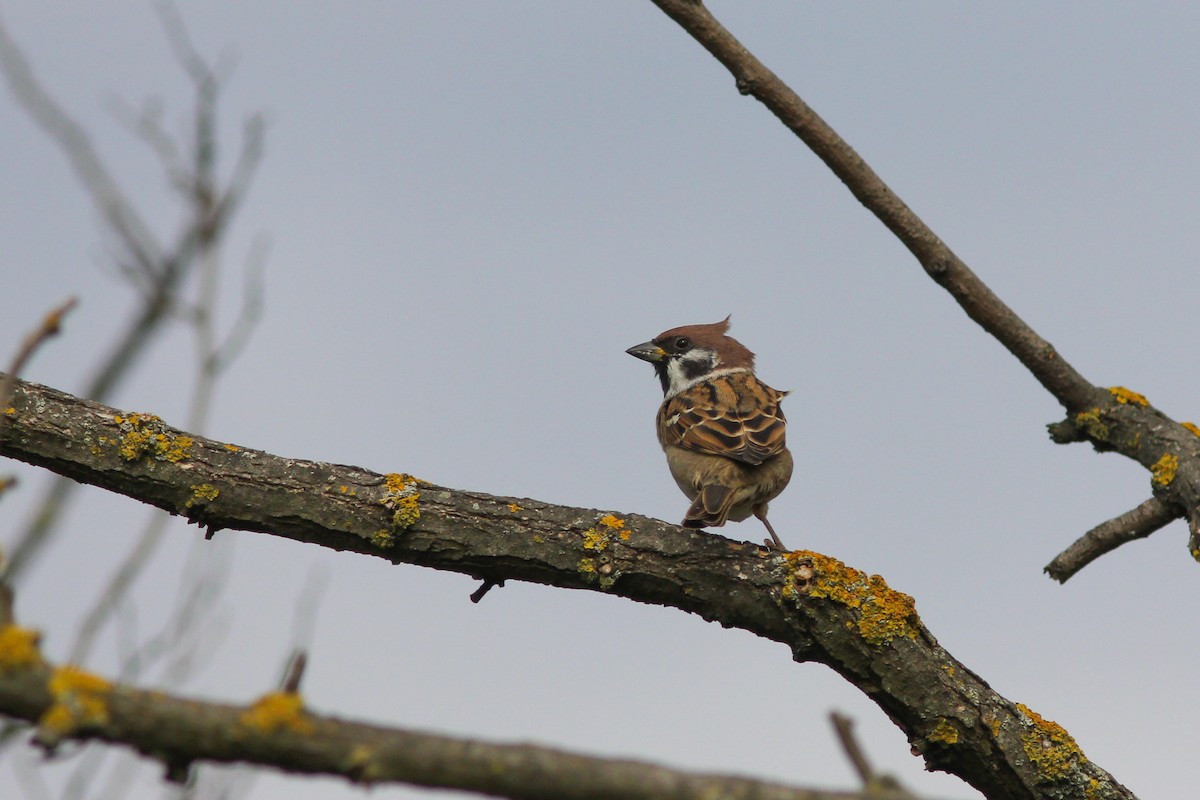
156, 270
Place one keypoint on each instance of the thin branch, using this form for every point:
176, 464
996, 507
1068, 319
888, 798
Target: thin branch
939, 261
1106, 537
1130, 426
822, 610
843, 726
50, 326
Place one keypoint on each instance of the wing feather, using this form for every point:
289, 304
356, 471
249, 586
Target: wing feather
733, 415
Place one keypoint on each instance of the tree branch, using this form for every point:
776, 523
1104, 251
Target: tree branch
1136, 524
1142, 436
278, 731
822, 610
940, 262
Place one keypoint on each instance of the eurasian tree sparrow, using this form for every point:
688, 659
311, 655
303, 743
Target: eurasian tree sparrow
720, 426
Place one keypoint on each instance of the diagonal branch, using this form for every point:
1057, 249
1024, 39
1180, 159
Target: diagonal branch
1141, 434
980, 303
822, 610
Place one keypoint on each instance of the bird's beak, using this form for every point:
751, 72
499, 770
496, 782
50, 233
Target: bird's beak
647, 351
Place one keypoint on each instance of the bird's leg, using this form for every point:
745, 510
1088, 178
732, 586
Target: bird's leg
761, 513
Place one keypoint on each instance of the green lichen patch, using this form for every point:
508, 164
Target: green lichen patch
146, 436
1049, 747
1092, 423
1162, 472
944, 732
383, 538
403, 498
202, 493
1129, 396
884, 614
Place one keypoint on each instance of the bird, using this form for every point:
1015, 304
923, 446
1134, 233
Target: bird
720, 427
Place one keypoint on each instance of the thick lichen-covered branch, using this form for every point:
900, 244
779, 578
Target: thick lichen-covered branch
819, 608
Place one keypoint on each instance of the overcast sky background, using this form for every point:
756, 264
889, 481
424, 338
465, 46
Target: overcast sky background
474, 208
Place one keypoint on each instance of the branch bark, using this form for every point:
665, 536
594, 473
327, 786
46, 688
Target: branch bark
822, 610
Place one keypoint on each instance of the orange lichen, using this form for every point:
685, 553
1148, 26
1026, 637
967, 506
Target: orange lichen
19, 648
514, 508
884, 614
1124, 396
1049, 747
80, 701
1163, 471
1191, 426
278, 711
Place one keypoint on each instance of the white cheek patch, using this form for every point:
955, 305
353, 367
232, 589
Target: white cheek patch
695, 366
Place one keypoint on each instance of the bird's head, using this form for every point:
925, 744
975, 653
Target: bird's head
688, 354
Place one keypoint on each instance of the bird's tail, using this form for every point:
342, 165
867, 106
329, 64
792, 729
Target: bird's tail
710, 508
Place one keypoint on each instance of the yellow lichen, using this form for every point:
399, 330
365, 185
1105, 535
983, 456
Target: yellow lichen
10, 412
80, 701
1050, 748
146, 435
587, 567
403, 498
383, 538
596, 540
19, 648
233, 448
1163, 471
1191, 426
514, 508
609, 521
884, 614
1091, 422
202, 493
1124, 395
945, 732
277, 711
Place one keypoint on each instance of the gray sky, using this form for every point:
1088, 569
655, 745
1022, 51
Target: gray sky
474, 208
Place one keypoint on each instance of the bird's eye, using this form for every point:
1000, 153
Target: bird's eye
683, 343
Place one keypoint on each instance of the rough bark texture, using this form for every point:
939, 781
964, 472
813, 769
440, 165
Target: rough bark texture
822, 610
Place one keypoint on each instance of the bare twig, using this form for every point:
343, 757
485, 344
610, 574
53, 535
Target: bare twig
843, 726
1130, 526
294, 673
50, 326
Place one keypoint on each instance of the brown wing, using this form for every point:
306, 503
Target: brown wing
734, 415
